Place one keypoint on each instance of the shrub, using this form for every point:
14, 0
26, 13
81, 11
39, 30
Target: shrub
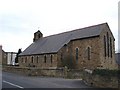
106, 72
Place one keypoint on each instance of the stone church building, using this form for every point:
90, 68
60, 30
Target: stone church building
90, 47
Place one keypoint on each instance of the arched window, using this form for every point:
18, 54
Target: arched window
105, 46
111, 47
77, 52
88, 50
21, 60
51, 57
108, 44
25, 59
32, 60
61, 57
45, 59
37, 59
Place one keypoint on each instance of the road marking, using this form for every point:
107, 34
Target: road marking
12, 84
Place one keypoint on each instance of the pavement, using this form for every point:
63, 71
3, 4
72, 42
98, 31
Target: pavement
12, 80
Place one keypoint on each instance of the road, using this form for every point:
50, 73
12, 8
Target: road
11, 80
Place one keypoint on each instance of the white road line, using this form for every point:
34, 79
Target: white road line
12, 84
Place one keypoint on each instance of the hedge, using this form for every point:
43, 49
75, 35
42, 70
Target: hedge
106, 72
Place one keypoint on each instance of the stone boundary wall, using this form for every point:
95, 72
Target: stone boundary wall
100, 81
60, 72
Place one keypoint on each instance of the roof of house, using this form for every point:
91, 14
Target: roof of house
53, 43
117, 56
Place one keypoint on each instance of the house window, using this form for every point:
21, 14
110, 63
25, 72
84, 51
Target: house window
111, 47
45, 59
31, 59
77, 55
88, 50
105, 46
37, 59
108, 44
51, 57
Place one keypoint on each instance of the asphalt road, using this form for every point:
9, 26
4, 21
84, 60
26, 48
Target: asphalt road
11, 80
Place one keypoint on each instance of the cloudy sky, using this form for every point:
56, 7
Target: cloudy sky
19, 19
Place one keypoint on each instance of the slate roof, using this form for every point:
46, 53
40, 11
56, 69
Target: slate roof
117, 56
53, 43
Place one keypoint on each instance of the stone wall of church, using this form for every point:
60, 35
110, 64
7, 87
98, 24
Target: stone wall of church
97, 58
108, 61
42, 61
82, 45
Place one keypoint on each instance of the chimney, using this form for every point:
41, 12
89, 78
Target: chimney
37, 35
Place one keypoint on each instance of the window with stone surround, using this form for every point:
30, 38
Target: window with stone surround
25, 59
37, 58
61, 58
32, 60
108, 44
21, 60
111, 47
89, 52
45, 59
77, 53
51, 57
105, 50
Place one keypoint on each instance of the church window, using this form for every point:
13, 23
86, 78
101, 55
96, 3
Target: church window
21, 60
25, 59
61, 57
37, 59
88, 49
108, 44
111, 47
51, 57
45, 59
105, 46
77, 50
31, 59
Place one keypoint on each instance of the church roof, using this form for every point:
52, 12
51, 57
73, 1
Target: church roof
53, 43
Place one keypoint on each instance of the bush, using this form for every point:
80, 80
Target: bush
106, 72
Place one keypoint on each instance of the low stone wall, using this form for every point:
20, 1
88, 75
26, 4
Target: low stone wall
100, 81
75, 74
56, 72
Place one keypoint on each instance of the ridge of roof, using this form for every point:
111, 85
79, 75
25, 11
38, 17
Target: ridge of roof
77, 29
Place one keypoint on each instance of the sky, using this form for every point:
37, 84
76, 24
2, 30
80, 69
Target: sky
19, 19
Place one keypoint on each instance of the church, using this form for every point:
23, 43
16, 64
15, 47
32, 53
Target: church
91, 47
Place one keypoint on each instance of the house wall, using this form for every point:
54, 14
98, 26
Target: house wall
11, 58
3, 57
38, 61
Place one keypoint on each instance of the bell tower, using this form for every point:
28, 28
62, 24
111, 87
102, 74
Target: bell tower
37, 35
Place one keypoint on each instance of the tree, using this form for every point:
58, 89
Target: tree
68, 62
16, 59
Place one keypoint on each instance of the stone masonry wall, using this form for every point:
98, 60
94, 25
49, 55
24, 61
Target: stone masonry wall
83, 62
38, 61
107, 62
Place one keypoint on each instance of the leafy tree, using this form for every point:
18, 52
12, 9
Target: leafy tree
16, 59
68, 61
